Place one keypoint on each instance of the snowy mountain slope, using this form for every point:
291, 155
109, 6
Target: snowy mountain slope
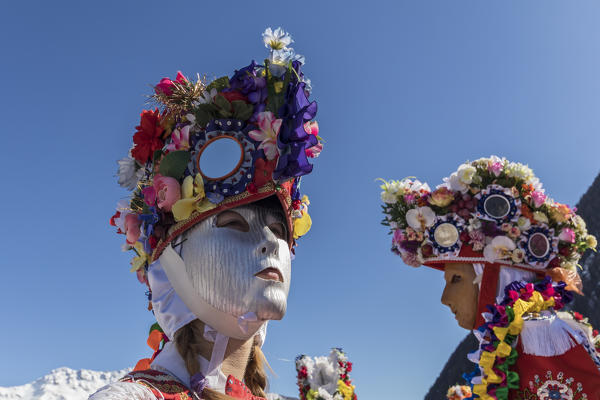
62, 384
67, 384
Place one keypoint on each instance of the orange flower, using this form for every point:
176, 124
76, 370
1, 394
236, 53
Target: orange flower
526, 212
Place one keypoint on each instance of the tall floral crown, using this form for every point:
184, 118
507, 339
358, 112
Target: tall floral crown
325, 378
489, 210
263, 111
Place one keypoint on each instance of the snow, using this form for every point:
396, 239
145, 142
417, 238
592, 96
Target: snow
62, 384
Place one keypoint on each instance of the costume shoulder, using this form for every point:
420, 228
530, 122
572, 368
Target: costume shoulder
123, 391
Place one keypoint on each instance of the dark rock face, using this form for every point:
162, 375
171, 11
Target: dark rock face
589, 209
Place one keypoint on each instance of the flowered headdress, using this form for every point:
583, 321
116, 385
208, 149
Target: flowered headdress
325, 378
263, 110
490, 211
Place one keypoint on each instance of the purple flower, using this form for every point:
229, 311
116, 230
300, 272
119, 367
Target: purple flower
293, 139
252, 86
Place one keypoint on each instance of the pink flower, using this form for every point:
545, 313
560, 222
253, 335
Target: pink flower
567, 235
538, 198
132, 228
267, 135
166, 85
410, 198
312, 128
168, 191
495, 167
441, 197
398, 236
165, 192
180, 139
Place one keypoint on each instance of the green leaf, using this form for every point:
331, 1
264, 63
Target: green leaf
222, 102
174, 164
204, 114
219, 84
157, 155
241, 110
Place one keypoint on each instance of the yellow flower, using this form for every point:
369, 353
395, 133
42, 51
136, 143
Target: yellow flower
193, 199
560, 213
141, 259
311, 395
540, 217
346, 390
591, 241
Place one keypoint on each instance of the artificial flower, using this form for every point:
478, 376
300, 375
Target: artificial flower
517, 255
454, 183
346, 390
180, 139
129, 172
520, 171
538, 198
523, 223
132, 228
267, 134
591, 242
501, 247
466, 173
147, 138
303, 222
167, 191
420, 218
194, 199
277, 39
141, 259
495, 165
540, 217
250, 84
263, 172
474, 224
118, 219
567, 235
441, 197
207, 97
560, 212
312, 128
166, 85
579, 223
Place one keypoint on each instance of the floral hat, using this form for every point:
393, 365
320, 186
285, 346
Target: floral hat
262, 113
325, 378
489, 211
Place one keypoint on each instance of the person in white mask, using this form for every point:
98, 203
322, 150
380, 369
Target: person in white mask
215, 248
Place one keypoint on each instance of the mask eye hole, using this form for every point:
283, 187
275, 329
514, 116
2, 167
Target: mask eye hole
279, 230
455, 278
232, 220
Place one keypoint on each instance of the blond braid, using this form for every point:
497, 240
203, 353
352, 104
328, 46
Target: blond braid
255, 376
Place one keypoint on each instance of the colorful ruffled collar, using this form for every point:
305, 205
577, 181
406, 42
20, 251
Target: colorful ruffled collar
504, 322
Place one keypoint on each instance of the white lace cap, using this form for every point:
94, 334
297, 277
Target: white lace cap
170, 311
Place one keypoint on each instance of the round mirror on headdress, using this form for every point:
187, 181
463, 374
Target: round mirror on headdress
538, 245
224, 156
220, 157
445, 235
495, 204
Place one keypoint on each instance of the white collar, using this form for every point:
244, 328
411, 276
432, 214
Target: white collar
169, 360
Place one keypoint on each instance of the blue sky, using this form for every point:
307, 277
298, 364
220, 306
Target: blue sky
405, 88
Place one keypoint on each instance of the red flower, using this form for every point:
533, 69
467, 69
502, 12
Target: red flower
147, 138
166, 84
153, 242
349, 366
234, 95
263, 171
577, 316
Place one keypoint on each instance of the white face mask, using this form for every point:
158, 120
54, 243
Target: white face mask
222, 263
